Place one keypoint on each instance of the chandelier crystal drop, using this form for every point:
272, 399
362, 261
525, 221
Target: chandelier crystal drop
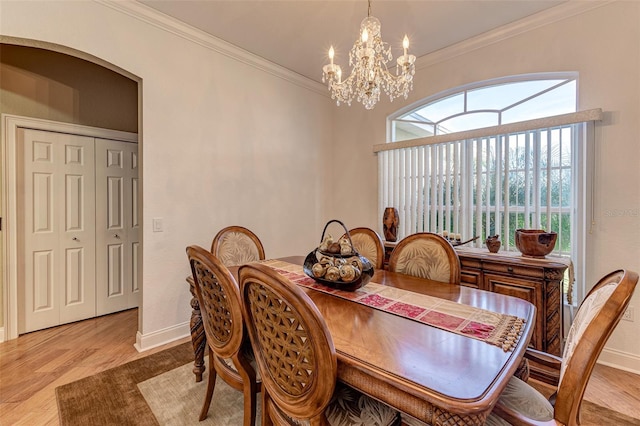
370, 75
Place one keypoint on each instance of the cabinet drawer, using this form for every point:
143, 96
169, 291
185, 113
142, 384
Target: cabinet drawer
470, 278
470, 262
514, 269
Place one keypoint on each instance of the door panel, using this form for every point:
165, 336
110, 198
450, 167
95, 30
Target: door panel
117, 226
43, 279
135, 282
74, 277
115, 194
58, 229
42, 203
134, 228
78, 228
74, 192
115, 271
529, 290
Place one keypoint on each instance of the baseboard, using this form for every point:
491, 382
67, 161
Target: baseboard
620, 360
144, 342
1, 334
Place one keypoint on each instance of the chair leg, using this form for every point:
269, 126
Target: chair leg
249, 388
249, 404
211, 384
266, 415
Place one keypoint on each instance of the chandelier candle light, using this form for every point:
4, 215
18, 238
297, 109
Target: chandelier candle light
368, 57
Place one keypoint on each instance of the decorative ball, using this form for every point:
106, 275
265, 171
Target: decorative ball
332, 274
334, 248
347, 273
356, 262
319, 270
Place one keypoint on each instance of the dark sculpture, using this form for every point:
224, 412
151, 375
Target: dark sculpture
493, 243
390, 221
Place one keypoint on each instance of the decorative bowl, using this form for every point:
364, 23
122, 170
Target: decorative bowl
350, 269
535, 243
365, 275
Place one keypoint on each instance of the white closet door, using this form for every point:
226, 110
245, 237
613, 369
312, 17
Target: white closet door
58, 229
117, 225
134, 230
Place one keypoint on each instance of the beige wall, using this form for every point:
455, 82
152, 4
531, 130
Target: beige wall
603, 45
222, 142
39, 83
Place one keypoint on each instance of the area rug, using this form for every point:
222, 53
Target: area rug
112, 396
161, 390
176, 399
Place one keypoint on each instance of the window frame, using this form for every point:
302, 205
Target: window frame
581, 153
569, 75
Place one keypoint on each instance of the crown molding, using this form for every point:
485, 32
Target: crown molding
151, 16
546, 17
164, 22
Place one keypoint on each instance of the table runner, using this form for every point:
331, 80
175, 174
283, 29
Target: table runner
491, 327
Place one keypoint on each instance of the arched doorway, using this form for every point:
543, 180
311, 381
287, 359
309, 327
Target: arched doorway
56, 84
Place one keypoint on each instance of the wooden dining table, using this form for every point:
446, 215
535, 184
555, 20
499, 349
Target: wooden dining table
435, 375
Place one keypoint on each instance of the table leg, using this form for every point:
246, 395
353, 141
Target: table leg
522, 372
198, 338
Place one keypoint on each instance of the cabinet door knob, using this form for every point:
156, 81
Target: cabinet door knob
117, 236
75, 239
510, 269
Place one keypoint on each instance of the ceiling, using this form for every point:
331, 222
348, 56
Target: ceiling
296, 34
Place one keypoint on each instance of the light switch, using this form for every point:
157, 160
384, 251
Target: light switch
157, 224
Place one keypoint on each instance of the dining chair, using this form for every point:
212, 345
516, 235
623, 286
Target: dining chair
297, 359
426, 255
368, 243
599, 313
236, 245
230, 353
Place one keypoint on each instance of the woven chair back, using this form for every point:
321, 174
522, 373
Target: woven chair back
219, 297
368, 243
426, 255
237, 245
293, 348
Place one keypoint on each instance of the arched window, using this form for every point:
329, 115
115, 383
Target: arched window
490, 158
489, 103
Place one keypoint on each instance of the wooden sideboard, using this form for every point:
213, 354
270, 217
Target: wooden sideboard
538, 281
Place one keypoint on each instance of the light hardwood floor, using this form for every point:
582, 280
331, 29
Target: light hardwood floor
33, 365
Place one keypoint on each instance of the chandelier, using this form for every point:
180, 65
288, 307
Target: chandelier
368, 57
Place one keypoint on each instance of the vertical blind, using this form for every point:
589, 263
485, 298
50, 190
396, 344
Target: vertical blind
492, 181
484, 186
